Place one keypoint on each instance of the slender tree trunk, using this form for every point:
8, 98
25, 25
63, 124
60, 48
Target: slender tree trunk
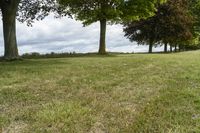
150, 47
165, 47
171, 48
102, 44
9, 10
175, 48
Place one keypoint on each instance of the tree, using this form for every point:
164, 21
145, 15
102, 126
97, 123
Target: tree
142, 31
108, 11
22, 10
176, 23
172, 23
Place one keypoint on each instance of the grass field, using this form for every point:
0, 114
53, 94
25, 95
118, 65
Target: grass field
139, 93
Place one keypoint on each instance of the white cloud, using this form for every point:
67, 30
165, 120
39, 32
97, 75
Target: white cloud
67, 35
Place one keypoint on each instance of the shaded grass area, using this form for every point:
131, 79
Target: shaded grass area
115, 94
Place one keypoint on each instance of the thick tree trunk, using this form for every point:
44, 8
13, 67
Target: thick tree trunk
165, 47
102, 44
9, 10
150, 47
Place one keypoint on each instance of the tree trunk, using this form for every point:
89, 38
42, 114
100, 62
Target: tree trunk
102, 44
165, 47
175, 48
171, 48
179, 48
150, 47
9, 10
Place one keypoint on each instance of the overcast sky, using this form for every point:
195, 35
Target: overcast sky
67, 35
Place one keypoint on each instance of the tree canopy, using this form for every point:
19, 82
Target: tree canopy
171, 24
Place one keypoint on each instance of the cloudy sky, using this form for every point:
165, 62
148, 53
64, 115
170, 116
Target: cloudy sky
67, 35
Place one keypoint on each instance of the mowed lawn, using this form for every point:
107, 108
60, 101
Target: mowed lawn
133, 93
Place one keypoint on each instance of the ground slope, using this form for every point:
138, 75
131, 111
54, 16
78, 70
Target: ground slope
116, 94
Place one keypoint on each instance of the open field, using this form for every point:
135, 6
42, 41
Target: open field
139, 93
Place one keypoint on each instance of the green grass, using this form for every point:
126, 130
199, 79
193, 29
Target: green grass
139, 93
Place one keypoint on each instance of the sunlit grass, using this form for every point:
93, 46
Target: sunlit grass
115, 94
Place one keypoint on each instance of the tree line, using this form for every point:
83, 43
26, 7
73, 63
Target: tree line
174, 24
151, 22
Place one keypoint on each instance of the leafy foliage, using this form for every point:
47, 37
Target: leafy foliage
90, 11
30, 10
171, 24
194, 9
